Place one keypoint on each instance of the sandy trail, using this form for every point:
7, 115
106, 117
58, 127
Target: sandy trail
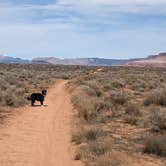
40, 136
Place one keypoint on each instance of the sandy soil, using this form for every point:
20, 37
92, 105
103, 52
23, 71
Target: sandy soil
40, 136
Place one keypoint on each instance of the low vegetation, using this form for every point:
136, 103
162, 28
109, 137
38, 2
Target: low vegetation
158, 97
156, 145
18, 81
120, 114
128, 106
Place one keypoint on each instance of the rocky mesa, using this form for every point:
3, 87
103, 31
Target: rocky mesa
151, 61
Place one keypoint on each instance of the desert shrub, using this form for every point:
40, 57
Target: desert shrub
158, 118
118, 83
139, 85
88, 114
98, 148
156, 145
3, 84
77, 138
119, 97
14, 101
133, 110
10, 99
158, 96
95, 86
88, 90
107, 87
89, 108
131, 119
111, 159
87, 135
101, 104
103, 118
91, 135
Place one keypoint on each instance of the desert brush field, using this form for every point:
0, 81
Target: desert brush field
120, 116
101, 116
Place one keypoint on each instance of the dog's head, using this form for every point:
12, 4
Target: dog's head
44, 92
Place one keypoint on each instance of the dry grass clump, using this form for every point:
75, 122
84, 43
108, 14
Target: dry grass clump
88, 90
132, 114
119, 97
133, 110
91, 134
119, 83
158, 119
156, 145
158, 97
89, 108
133, 120
111, 158
98, 148
85, 106
95, 86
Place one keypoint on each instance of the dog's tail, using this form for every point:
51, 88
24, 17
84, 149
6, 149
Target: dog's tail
28, 98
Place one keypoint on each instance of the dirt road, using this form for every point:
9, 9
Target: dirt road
40, 136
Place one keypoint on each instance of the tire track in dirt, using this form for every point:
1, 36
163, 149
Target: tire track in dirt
40, 136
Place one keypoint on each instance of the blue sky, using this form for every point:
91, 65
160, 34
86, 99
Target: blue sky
82, 28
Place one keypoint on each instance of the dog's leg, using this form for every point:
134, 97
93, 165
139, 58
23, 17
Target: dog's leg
32, 102
41, 102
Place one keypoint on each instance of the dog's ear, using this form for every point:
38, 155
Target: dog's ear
44, 92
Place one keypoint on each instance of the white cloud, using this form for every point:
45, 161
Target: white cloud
32, 40
90, 6
80, 12
48, 30
114, 2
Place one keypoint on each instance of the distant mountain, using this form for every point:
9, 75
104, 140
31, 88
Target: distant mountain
151, 61
80, 61
8, 59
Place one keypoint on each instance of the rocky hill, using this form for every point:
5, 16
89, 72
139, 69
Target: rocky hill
80, 61
151, 61
8, 59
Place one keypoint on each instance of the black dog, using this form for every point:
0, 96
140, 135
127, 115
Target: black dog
37, 97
